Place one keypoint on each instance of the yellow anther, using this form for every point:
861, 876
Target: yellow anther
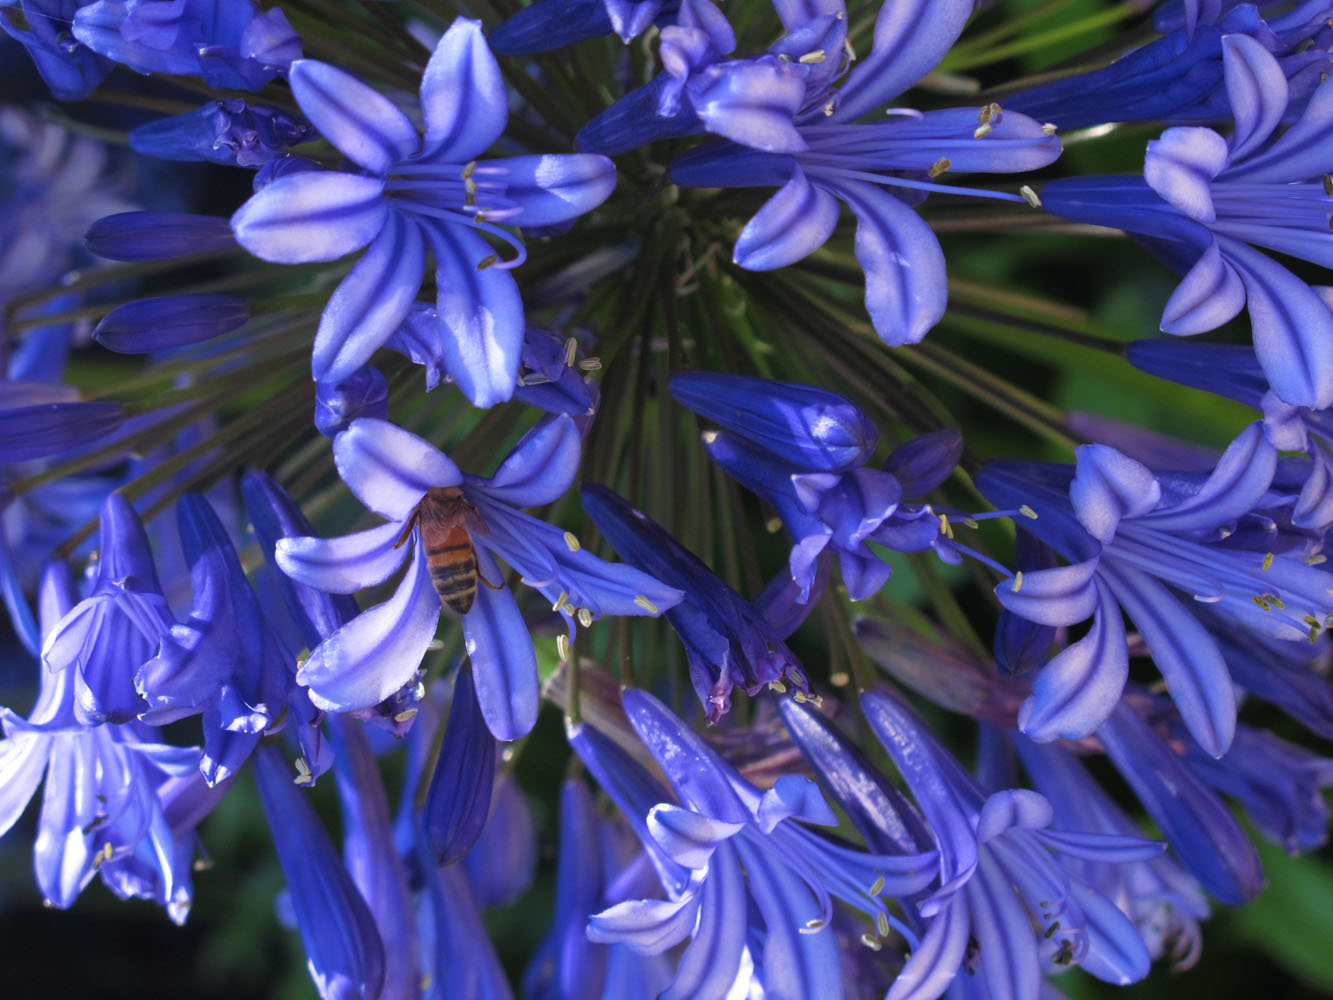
971, 522
811, 927
646, 604
590, 364
487, 261
303, 774
571, 541
877, 887
1268, 562
830, 107
870, 941
1259, 600
777, 687
406, 715
1028, 512
584, 616
1315, 560
1050, 128
1030, 196
571, 351
796, 677
799, 697
938, 167
1017, 585
467, 170
562, 646
981, 131
1276, 601
772, 524
882, 923
560, 601
817, 56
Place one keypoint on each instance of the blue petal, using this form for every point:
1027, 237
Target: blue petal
1010, 809
1234, 488
923, 463
1293, 329
934, 963
1185, 654
541, 467
379, 650
1257, 90
1076, 691
312, 215
1008, 962
504, 663
371, 302
686, 836
793, 796
794, 223
554, 188
463, 97
171, 321
1181, 165
911, 37
649, 926
699, 776
362, 123
1108, 486
709, 963
906, 285
1301, 152
1210, 294
390, 469
1063, 595
1116, 952
345, 564
481, 314
753, 102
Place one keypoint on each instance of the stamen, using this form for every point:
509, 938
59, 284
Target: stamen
303, 774
406, 714
1018, 582
871, 942
817, 56
590, 364
646, 604
877, 887
1050, 128
562, 646
1028, 512
487, 261
584, 616
1268, 562
938, 167
571, 351
571, 541
560, 601
1030, 196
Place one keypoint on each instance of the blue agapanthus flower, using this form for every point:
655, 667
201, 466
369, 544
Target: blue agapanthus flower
723, 826
391, 471
117, 802
791, 128
1133, 537
407, 192
1205, 202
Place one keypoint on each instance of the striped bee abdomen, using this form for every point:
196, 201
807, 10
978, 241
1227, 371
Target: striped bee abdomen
453, 569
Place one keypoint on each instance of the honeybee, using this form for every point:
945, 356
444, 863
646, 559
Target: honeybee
448, 522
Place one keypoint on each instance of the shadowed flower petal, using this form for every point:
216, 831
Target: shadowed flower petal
312, 215
362, 123
390, 469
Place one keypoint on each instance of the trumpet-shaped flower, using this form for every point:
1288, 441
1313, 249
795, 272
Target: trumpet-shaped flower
376, 653
406, 193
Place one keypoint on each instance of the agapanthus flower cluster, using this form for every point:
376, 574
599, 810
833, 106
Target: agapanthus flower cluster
395, 425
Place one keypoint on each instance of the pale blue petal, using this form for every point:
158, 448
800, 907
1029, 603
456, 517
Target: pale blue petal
1181, 165
906, 285
1234, 488
753, 102
933, 964
463, 99
1116, 952
649, 926
793, 796
312, 215
362, 123
794, 223
686, 836
542, 466
504, 664
370, 303
345, 564
481, 314
390, 469
1076, 691
710, 962
1011, 808
1108, 486
554, 188
379, 650
911, 37
1064, 595
1210, 294
1256, 89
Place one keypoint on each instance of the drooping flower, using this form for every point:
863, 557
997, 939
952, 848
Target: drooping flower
1205, 202
1002, 894
375, 654
789, 127
1131, 535
727, 641
723, 822
409, 192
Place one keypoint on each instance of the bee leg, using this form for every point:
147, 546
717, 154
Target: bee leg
494, 586
408, 529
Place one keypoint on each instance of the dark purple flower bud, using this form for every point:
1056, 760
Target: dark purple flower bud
364, 393
342, 946
228, 132
29, 432
809, 428
550, 24
727, 641
170, 321
271, 41
922, 464
460, 789
133, 236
